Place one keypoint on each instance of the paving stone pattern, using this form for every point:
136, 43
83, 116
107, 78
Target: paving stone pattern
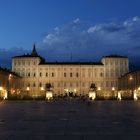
69, 120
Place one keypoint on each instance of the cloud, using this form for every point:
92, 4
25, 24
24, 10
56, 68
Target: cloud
93, 29
77, 20
82, 41
92, 40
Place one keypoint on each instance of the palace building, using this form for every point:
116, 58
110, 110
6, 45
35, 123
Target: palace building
68, 77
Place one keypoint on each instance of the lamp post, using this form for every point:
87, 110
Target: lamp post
9, 84
42, 90
1, 89
49, 94
135, 95
92, 91
131, 83
28, 89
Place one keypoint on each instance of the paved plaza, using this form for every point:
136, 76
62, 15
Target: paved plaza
69, 120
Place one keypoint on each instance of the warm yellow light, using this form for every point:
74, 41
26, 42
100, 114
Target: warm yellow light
135, 95
113, 88
5, 96
119, 96
130, 78
28, 88
66, 90
138, 88
75, 90
99, 88
1, 88
49, 95
92, 95
42, 88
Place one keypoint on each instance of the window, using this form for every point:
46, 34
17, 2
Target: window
64, 74
40, 84
70, 74
29, 74
40, 74
34, 74
70, 84
77, 74
101, 74
52, 74
34, 85
46, 74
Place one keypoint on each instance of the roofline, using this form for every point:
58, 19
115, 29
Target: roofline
8, 71
129, 73
72, 63
114, 56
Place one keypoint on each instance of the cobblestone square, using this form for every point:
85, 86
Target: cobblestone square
69, 120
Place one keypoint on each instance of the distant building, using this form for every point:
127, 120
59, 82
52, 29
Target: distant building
130, 83
9, 82
69, 77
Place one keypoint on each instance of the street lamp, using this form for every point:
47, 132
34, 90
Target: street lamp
131, 84
49, 94
99, 88
119, 96
9, 79
1, 89
135, 95
113, 88
28, 88
92, 91
42, 88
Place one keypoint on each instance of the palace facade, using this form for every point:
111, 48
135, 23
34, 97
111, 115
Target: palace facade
69, 77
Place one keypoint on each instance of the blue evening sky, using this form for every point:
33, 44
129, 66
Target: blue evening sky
62, 27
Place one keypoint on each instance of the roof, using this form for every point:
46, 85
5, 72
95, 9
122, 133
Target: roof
71, 63
26, 55
33, 54
114, 56
131, 72
8, 71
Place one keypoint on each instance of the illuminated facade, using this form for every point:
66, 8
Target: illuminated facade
68, 77
129, 84
9, 82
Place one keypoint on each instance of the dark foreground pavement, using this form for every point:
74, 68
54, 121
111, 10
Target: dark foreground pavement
69, 120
